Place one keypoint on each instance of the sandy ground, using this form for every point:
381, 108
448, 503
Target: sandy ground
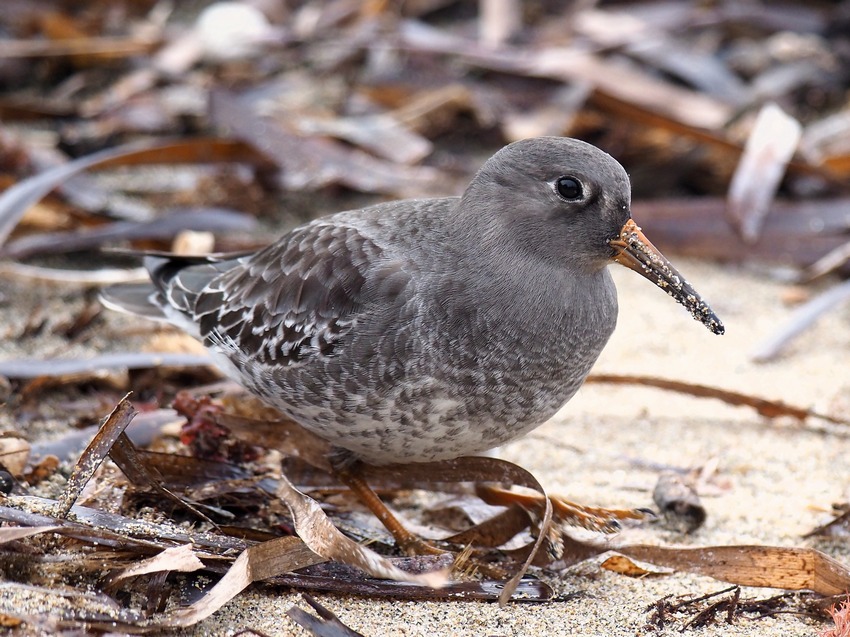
776, 480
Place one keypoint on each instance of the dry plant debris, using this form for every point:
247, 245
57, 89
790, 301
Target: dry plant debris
841, 620
143, 552
764, 407
691, 613
325, 625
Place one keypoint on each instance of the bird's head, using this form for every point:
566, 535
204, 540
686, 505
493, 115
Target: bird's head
567, 203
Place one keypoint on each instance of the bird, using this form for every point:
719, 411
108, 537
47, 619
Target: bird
426, 329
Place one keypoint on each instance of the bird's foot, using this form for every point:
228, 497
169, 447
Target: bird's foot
412, 546
593, 518
565, 512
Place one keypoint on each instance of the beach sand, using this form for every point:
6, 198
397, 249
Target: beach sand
774, 480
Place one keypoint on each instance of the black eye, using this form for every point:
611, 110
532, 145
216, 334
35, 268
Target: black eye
569, 188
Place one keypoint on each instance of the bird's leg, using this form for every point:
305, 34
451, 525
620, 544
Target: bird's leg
411, 545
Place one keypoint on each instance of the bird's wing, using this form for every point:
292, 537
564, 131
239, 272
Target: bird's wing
289, 303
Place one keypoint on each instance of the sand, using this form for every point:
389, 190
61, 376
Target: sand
775, 480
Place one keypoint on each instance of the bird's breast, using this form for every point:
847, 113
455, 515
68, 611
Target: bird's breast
533, 345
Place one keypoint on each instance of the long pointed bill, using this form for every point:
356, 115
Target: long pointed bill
636, 252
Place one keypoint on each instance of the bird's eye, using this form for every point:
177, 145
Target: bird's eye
568, 188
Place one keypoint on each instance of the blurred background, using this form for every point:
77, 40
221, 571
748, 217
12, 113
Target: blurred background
732, 118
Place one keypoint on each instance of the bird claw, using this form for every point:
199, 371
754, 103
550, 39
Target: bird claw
599, 519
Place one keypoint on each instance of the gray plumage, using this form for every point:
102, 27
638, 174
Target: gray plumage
418, 330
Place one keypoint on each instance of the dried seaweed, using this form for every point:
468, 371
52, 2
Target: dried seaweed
100, 446
325, 625
698, 612
769, 566
771, 144
764, 407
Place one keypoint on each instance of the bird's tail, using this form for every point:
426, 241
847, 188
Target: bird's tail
175, 283
133, 298
145, 299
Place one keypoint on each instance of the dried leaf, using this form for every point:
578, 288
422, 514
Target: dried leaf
14, 533
433, 110
111, 529
839, 527
625, 566
769, 148
193, 243
382, 135
838, 163
91, 48
308, 163
624, 82
163, 227
832, 260
177, 558
102, 276
285, 436
81, 321
651, 43
795, 232
499, 21
190, 472
474, 469
68, 606
318, 533
143, 430
125, 455
325, 625
564, 511
256, 563
94, 454
553, 117
495, 531
768, 566
30, 368
345, 580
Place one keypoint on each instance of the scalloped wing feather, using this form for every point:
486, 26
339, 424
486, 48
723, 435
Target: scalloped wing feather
292, 302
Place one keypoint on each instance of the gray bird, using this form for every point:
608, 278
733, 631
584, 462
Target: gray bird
429, 329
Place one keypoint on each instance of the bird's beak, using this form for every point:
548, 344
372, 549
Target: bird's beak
636, 252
